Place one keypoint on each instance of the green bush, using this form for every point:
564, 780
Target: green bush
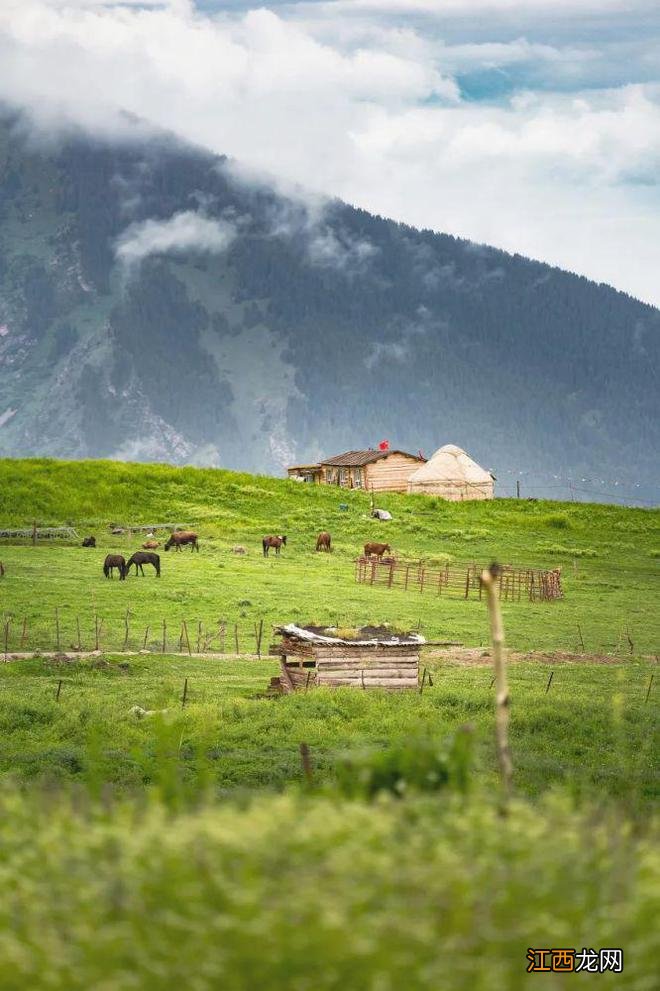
293, 893
421, 764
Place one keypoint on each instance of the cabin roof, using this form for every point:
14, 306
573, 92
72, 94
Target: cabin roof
356, 459
371, 636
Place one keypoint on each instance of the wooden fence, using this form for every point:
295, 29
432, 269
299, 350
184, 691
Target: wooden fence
458, 581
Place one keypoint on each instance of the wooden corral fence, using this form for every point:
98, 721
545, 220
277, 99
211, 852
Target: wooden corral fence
35, 533
514, 584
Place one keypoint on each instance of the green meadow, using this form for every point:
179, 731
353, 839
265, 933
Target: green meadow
157, 826
607, 555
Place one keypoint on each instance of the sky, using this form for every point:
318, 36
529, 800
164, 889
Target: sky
531, 125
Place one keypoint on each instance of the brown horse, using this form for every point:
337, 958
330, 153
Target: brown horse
140, 558
179, 538
151, 545
323, 542
276, 542
113, 561
376, 549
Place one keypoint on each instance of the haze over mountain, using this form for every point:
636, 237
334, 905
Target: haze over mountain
158, 304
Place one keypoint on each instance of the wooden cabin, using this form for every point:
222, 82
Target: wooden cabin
374, 658
375, 469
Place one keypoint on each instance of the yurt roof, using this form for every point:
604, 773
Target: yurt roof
451, 464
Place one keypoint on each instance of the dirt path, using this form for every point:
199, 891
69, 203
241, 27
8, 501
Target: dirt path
480, 657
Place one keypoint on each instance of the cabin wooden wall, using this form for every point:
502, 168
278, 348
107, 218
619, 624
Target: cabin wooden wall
390, 474
387, 667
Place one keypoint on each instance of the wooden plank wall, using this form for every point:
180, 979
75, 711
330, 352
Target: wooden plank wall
386, 667
390, 474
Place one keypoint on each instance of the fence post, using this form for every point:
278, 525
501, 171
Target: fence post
57, 629
467, 583
78, 631
164, 636
7, 622
236, 637
306, 761
24, 631
185, 630
488, 578
185, 693
547, 687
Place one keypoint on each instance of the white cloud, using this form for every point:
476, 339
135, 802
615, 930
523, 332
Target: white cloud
367, 108
185, 231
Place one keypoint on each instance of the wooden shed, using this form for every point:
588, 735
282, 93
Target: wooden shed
375, 657
377, 470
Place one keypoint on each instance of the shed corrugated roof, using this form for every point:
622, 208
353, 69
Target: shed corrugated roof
355, 459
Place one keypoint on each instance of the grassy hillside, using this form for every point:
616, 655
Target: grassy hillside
607, 554
202, 857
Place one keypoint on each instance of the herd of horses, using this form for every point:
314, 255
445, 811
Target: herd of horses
183, 538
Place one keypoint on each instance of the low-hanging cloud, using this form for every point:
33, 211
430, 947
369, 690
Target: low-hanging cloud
366, 100
183, 232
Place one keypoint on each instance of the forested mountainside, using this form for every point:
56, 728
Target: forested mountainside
156, 304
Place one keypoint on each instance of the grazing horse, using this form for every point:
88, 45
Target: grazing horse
89, 542
113, 561
140, 558
376, 549
178, 539
323, 542
150, 545
275, 542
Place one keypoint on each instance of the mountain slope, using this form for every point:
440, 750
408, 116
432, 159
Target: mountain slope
155, 305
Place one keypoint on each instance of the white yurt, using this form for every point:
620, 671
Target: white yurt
452, 474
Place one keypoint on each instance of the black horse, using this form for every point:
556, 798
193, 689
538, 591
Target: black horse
143, 557
89, 542
113, 561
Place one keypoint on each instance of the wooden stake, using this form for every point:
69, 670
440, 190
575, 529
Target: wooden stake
309, 675
306, 761
146, 637
199, 636
648, 691
126, 635
59, 689
185, 630
185, 693
236, 636
57, 629
259, 637
96, 631
78, 629
223, 633
24, 631
7, 622
164, 636
488, 580
547, 687
630, 643
421, 687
